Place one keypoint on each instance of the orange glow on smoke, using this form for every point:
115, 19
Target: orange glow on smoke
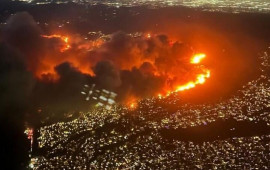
65, 39
196, 76
52, 59
131, 102
200, 78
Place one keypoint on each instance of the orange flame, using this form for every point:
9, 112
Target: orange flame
65, 39
200, 78
133, 105
196, 59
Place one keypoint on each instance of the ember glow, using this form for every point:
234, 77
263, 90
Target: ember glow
133, 105
65, 39
53, 58
196, 59
200, 79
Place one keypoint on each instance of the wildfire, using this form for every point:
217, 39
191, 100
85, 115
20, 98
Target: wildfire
65, 39
200, 78
196, 59
172, 81
132, 105
148, 35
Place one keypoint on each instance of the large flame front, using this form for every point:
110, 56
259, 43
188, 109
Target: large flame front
200, 78
172, 82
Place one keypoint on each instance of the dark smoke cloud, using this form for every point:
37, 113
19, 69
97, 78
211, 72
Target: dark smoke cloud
18, 37
16, 82
22, 94
23, 33
106, 75
16, 85
131, 66
124, 64
137, 84
62, 96
143, 64
122, 50
147, 68
126, 51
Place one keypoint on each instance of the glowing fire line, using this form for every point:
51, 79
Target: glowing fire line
200, 78
65, 39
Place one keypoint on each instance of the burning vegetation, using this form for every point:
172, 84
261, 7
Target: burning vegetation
152, 60
135, 65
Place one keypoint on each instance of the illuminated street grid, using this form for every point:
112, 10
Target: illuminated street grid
209, 5
123, 138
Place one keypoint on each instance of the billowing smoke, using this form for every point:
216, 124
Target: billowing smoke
16, 85
145, 65
56, 98
44, 72
23, 33
132, 66
107, 76
138, 84
16, 82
